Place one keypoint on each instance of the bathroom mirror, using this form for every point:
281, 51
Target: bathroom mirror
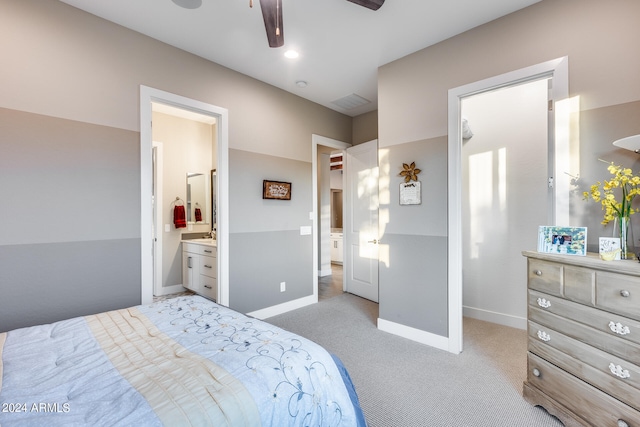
198, 198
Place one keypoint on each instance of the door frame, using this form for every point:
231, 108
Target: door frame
147, 96
158, 217
317, 140
558, 71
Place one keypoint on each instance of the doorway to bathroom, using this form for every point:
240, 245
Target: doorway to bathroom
149, 97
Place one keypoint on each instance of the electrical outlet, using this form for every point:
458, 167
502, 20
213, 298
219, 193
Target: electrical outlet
283, 286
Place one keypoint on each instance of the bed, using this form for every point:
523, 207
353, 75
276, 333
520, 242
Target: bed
180, 362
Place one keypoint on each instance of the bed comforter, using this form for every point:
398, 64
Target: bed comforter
185, 361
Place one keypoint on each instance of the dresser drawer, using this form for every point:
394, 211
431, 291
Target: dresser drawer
618, 293
545, 276
208, 266
604, 341
610, 374
604, 321
595, 407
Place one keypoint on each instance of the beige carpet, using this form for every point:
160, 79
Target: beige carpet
402, 383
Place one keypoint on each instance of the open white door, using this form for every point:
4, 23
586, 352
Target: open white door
361, 220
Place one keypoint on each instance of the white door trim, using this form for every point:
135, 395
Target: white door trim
159, 228
147, 96
558, 69
317, 140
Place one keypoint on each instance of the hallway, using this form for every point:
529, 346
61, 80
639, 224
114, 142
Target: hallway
331, 286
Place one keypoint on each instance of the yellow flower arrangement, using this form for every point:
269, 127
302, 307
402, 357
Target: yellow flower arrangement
624, 179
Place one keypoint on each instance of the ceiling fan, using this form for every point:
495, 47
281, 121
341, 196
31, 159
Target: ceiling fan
272, 16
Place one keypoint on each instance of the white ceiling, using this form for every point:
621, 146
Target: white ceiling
341, 44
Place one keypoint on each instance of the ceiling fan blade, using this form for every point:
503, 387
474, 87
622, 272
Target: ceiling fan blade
369, 4
272, 15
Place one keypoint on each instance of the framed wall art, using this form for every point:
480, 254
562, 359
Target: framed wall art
277, 190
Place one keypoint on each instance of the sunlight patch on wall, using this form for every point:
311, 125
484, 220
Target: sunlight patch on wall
567, 153
384, 194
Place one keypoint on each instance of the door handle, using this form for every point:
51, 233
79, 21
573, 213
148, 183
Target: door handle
374, 241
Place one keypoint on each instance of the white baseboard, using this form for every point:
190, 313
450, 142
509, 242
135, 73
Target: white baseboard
284, 307
494, 317
325, 272
166, 290
414, 334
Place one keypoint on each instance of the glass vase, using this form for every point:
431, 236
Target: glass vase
622, 229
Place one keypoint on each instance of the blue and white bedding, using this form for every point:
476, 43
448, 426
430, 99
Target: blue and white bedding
183, 361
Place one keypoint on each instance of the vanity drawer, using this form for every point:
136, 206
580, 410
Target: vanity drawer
594, 406
610, 374
208, 266
209, 287
604, 341
207, 250
610, 323
545, 276
618, 293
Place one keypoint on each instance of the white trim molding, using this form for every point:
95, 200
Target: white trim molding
283, 308
414, 334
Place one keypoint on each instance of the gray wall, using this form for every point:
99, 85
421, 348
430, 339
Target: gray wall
414, 238
596, 36
265, 245
71, 221
73, 181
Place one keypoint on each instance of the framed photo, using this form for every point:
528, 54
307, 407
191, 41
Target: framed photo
276, 190
562, 240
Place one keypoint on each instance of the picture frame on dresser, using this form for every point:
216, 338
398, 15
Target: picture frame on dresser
562, 240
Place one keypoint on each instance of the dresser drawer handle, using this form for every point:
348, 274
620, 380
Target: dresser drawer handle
538, 273
208, 266
208, 287
622, 423
618, 371
536, 372
208, 251
544, 336
544, 303
619, 328
625, 293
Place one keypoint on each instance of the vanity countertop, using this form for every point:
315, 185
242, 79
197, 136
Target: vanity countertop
202, 241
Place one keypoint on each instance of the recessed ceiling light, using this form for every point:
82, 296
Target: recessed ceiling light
301, 83
291, 54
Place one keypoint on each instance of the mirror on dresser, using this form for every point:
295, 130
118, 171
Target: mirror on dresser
198, 198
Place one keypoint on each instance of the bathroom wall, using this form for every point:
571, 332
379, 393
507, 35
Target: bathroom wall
188, 146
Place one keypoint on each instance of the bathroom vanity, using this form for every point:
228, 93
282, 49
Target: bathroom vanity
200, 267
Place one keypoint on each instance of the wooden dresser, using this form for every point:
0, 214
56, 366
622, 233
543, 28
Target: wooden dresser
584, 339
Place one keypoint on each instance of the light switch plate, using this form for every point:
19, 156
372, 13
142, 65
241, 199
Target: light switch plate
305, 230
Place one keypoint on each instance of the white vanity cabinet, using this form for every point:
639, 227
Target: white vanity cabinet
336, 248
200, 268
